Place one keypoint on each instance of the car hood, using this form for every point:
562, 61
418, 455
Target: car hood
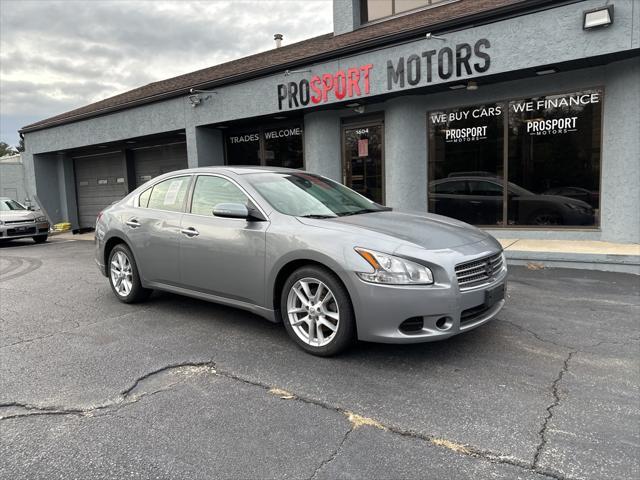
432, 232
16, 215
564, 200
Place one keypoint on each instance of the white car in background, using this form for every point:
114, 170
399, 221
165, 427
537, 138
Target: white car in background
17, 221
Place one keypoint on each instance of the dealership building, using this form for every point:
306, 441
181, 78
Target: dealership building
521, 117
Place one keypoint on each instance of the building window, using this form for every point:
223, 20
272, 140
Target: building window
372, 10
273, 145
548, 148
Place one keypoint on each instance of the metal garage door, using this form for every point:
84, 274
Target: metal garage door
100, 181
153, 161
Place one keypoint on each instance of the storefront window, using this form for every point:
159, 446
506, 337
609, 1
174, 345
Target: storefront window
243, 147
552, 161
274, 146
283, 147
554, 154
466, 163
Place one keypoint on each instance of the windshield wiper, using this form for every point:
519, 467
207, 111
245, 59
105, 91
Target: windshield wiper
365, 210
312, 215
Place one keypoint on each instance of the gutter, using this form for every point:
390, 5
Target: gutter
482, 18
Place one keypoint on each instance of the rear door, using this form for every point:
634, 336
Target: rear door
153, 228
222, 256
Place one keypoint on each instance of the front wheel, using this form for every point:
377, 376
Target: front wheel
40, 238
123, 276
317, 311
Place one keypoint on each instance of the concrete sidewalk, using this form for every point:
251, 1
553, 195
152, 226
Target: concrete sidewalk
585, 254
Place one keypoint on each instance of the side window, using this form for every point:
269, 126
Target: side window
143, 200
210, 191
170, 194
488, 189
452, 187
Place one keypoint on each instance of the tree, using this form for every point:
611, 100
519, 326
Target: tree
6, 149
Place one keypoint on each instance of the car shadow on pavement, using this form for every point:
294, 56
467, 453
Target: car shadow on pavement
238, 322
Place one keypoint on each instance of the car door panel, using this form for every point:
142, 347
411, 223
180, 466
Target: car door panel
222, 256
154, 233
225, 258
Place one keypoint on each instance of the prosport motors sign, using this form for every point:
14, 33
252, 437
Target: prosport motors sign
417, 69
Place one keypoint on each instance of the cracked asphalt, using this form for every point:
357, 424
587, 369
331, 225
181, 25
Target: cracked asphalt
180, 388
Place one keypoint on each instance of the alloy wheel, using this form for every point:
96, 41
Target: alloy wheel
313, 312
121, 274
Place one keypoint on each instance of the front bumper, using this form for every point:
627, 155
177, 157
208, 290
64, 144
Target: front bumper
436, 312
23, 230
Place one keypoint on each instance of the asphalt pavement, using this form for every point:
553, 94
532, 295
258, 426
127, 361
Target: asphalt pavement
181, 388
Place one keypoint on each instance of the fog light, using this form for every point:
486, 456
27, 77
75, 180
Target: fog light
599, 17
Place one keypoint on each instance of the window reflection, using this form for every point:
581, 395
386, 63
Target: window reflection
553, 161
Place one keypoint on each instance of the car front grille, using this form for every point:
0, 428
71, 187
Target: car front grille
478, 272
13, 222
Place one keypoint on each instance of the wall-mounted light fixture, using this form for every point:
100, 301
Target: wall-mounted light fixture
457, 86
546, 71
472, 85
430, 35
291, 72
598, 17
195, 97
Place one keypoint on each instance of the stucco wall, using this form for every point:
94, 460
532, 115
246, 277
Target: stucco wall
12, 181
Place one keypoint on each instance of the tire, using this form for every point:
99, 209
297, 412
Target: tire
122, 273
330, 319
545, 217
40, 238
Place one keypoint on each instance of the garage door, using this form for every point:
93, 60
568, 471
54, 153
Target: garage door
100, 181
153, 161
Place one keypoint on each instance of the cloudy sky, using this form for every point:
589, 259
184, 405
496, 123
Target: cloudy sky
59, 55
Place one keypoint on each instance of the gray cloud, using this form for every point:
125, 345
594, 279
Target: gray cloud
58, 55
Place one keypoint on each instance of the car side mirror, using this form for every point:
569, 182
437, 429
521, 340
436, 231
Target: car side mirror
31, 208
231, 210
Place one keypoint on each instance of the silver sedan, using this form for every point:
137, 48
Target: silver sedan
301, 249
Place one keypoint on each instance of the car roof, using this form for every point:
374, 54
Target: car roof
237, 170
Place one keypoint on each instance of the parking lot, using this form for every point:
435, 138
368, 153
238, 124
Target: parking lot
180, 388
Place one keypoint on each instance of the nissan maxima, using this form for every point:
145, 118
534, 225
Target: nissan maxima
303, 250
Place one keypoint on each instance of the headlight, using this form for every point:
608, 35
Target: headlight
1, 222
391, 270
41, 219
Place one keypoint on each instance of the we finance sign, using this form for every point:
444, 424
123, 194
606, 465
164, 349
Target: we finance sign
415, 69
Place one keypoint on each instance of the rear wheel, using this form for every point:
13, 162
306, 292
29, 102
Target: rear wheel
545, 217
317, 311
40, 238
123, 276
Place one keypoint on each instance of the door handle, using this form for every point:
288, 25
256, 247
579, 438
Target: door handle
190, 232
133, 223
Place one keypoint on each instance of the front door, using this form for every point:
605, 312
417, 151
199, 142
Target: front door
222, 256
363, 162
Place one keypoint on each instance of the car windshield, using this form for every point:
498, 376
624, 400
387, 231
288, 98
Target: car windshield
306, 195
6, 205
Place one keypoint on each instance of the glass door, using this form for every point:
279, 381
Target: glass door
363, 159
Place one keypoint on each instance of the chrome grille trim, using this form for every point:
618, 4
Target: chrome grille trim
15, 222
478, 272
